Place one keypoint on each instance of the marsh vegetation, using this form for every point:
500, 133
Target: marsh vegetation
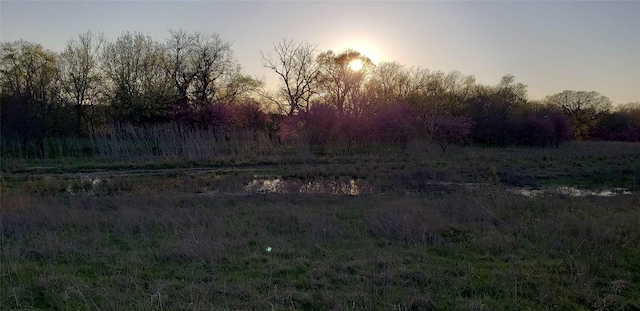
423, 231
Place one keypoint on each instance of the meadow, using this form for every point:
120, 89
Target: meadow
258, 227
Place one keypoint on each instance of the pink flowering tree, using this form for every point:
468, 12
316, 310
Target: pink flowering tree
290, 128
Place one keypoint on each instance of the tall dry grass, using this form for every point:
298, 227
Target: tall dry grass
151, 142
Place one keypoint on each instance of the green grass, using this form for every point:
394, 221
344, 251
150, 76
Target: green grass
185, 240
328, 252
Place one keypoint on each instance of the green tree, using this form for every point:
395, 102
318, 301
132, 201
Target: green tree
30, 91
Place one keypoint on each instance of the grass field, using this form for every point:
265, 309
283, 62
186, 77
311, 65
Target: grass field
391, 230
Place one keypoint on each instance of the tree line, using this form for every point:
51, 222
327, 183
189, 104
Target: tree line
193, 80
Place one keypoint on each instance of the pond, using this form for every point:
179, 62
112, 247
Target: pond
87, 184
277, 185
358, 187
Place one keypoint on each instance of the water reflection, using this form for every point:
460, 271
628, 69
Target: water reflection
92, 185
569, 191
358, 187
277, 185
351, 187
85, 184
265, 186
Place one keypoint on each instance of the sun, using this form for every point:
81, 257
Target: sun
355, 64
363, 46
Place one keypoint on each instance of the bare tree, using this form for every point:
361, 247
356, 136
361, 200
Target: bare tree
343, 87
583, 108
81, 76
133, 68
296, 66
202, 69
180, 61
389, 82
632, 109
236, 85
214, 61
512, 91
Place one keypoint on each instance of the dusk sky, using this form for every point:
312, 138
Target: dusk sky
549, 46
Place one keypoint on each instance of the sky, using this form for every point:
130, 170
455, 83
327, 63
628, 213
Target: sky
550, 46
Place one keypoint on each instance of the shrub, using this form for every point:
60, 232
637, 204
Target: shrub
206, 116
396, 125
450, 129
317, 126
248, 115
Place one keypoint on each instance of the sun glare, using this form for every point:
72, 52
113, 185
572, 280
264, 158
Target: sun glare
355, 65
366, 48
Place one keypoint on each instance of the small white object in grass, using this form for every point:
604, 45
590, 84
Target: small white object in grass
269, 248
